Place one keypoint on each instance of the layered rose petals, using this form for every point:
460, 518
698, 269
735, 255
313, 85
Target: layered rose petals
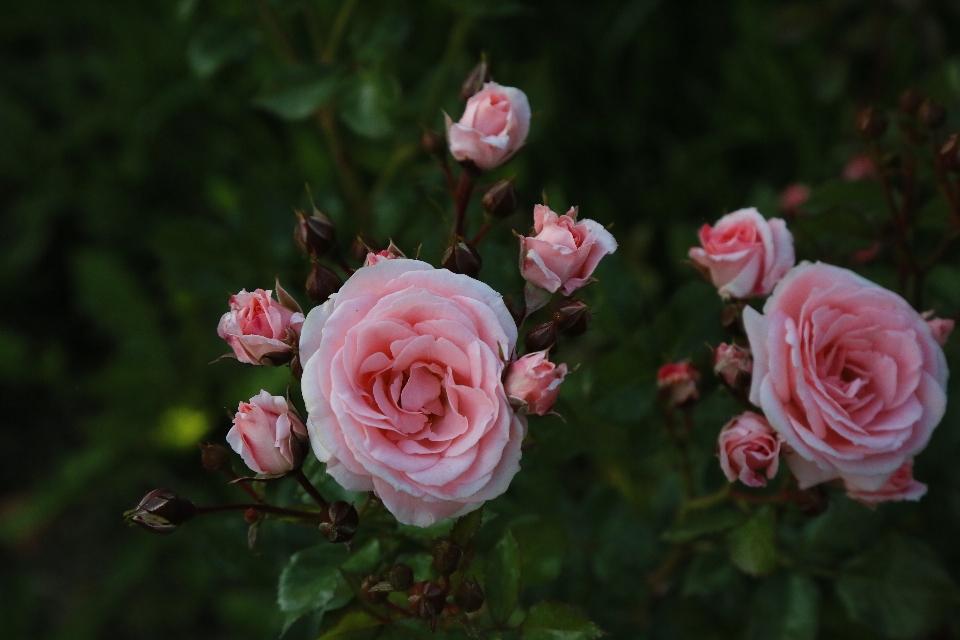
259, 329
749, 450
493, 127
900, 486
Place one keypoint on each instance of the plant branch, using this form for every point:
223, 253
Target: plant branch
258, 506
310, 489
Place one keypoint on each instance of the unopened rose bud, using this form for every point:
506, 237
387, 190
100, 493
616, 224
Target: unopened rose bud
213, 457
314, 234
793, 197
468, 596
161, 511
475, 80
542, 337
322, 283
251, 516
532, 383
909, 101
426, 600
373, 597
339, 521
677, 382
460, 257
434, 143
500, 200
931, 114
269, 435
446, 556
362, 245
871, 123
401, 577
572, 317
733, 364
950, 154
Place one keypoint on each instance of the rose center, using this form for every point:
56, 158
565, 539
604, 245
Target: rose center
421, 391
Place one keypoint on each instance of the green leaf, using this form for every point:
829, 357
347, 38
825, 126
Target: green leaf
311, 581
898, 588
786, 607
700, 522
356, 624
753, 545
369, 104
217, 44
709, 572
502, 578
465, 527
555, 621
295, 94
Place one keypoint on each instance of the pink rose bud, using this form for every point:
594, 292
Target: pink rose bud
677, 382
744, 254
941, 328
377, 258
793, 197
268, 435
564, 252
858, 167
493, 127
534, 382
733, 364
900, 486
259, 329
749, 450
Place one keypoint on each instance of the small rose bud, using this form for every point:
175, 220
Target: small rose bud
322, 283
314, 234
475, 80
213, 457
909, 101
339, 521
251, 516
434, 143
373, 597
749, 450
871, 123
362, 245
533, 383
377, 258
793, 197
542, 337
468, 596
161, 511
426, 600
259, 329
950, 154
858, 167
460, 257
677, 382
931, 114
733, 364
401, 577
269, 435
500, 200
446, 556
572, 317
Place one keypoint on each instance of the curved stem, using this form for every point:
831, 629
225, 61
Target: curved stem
310, 489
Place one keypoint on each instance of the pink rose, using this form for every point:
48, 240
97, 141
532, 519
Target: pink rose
493, 126
259, 329
859, 167
941, 328
900, 486
793, 197
402, 381
848, 373
268, 435
732, 364
376, 258
534, 382
744, 254
749, 450
564, 252
677, 382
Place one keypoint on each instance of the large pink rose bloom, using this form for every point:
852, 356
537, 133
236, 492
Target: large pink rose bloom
259, 329
848, 373
564, 252
745, 254
493, 126
402, 382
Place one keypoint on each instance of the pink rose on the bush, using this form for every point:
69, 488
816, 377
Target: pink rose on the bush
793, 197
900, 486
377, 258
733, 364
941, 328
259, 329
493, 127
403, 384
268, 435
745, 254
677, 382
848, 373
534, 381
749, 450
564, 252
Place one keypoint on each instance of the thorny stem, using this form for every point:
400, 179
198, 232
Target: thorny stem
309, 488
258, 506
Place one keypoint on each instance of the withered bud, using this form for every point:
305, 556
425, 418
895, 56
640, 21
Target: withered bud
468, 596
213, 457
361, 246
909, 101
401, 577
322, 282
950, 154
500, 200
434, 143
339, 521
446, 556
475, 80
314, 234
542, 337
871, 123
373, 597
931, 114
426, 600
572, 317
161, 511
251, 516
460, 257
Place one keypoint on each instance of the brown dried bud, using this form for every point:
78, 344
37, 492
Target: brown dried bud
909, 101
931, 114
314, 234
426, 600
500, 200
446, 556
434, 143
361, 246
161, 511
373, 597
871, 123
322, 282
468, 596
460, 257
213, 457
475, 80
950, 154
542, 337
401, 577
339, 521
572, 317
251, 515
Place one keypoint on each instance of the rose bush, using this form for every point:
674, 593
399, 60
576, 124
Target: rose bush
493, 127
402, 382
268, 435
259, 329
749, 450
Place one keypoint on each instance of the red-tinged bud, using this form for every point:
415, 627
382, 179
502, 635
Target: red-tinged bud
871, 123
500, 200
213, 457
475, 80
401, 577
793, 197
460, 257
931, 114
375, 596
426, 600
950, 154
161, 511
314, 234
322, 283
434, 143
572, 317
339, 521
542, 337
446, 556
468, 596
677, 382
251, 516
733, 364
909, 102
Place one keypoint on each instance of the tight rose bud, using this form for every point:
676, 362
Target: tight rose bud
426, 600
900, 486
733, 364
909, 101
314, 234
268, 435
931, 114
493, 127
460, 257
677, 382
259, 329
339, 522
377, 258
533, 383
433, 143
749, 450
213, 457
401, 577
941, 328
793, 197
859, 167
373, 597
322, 283
478, 76
572, 317
468, 596
871, 123
161, 511
542, 337
446, 556
500, 200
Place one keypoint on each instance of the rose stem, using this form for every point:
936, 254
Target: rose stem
266, 508
309, 488
447, 174
480, 234
461, 200
243, 485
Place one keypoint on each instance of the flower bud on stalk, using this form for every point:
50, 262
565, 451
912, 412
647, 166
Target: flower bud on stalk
677, 382
434, 143
162, 511
446, 556
871, 123
500, 200
213, 457
426, 600
460, 257
314, 234
468, 596
373, 597
931, 114
251, 516
572, 317
339, 522
322, 282
542, 337
909, 101
733, 365
401, 577
475, 80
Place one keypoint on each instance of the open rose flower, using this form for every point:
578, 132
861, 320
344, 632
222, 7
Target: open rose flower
534, 382
259, 329
493, 127
268, 435
900, 486
564, 252
749, 450
744, 254
848, 373
402, 382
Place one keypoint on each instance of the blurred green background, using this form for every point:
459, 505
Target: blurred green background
150, 157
